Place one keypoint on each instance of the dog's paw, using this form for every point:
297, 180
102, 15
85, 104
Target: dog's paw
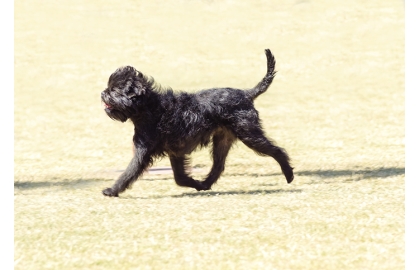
290, 179
202, 186
289, 175
109, 192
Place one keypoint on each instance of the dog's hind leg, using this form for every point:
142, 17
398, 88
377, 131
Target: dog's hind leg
181, 177
222, 142
255, 139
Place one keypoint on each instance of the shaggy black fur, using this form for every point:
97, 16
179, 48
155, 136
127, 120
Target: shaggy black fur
175, 124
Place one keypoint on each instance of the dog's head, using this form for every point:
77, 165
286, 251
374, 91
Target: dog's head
126, 89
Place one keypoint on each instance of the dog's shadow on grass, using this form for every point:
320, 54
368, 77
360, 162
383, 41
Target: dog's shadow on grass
57, 183
364, 173
355, 174
219, 193
351, 175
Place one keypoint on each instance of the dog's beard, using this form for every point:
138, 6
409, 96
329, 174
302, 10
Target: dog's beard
119, 109
116, 115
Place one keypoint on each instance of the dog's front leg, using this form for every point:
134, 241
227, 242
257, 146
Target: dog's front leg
138, 164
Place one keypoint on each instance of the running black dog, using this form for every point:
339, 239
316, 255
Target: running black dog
174, 124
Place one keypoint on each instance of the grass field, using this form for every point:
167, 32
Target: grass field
336, 105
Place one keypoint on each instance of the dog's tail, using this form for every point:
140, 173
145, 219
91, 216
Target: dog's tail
263, 85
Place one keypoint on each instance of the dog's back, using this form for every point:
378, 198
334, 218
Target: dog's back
220, 101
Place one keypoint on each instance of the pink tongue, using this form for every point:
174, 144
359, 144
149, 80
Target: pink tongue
108, 106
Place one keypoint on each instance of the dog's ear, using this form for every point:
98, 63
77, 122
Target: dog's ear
135, 88
141, 84
135, 82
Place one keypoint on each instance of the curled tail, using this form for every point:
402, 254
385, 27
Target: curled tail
263, 85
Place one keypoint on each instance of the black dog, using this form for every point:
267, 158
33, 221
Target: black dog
175, 124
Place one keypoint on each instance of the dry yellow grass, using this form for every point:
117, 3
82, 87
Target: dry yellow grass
336, 105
